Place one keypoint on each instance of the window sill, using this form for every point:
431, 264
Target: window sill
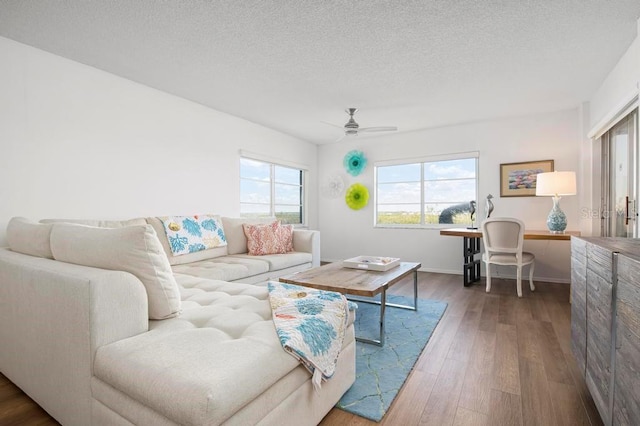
432, 226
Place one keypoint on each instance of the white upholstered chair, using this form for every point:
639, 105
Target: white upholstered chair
503, 239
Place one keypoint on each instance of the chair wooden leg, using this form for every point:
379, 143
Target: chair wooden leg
488, 277
533, 287
519, 281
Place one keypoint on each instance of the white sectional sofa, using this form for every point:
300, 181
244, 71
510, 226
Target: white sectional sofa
78, 339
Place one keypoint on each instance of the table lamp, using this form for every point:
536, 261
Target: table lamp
555, 184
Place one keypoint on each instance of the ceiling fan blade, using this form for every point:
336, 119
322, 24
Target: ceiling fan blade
332, 125
379, 129
340, 138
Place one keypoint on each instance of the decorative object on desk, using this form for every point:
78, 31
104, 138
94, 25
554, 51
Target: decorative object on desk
372, 263
381, 371
333, 186
456, 213
357, 196
354, 162
488, 208
519, 179
556, 184
472, 211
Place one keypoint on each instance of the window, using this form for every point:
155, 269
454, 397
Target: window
426, 192
620, 174
268, 189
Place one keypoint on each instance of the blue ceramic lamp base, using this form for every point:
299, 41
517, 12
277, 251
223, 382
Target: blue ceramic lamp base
557, 220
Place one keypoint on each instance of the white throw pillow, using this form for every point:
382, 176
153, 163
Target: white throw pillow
134, 249
28, 237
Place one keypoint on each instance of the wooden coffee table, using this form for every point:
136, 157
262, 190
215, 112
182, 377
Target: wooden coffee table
359, 282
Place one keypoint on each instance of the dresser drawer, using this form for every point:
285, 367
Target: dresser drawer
599, 260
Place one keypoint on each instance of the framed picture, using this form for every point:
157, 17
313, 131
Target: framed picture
519, 179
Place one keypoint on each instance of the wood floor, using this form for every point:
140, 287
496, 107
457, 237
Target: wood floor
494, 359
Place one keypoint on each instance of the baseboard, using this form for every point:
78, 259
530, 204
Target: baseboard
501, 277
458, 272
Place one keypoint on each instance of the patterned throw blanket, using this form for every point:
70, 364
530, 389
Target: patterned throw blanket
190, 234
311, 325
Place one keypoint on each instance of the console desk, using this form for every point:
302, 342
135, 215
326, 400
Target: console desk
471, 247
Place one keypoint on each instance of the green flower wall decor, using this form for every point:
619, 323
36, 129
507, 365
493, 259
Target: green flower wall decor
354, 162
357, 196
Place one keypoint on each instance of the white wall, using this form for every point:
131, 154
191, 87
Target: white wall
81, 143
621, 82
347, 233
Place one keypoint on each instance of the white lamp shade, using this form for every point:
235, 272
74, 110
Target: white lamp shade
556, 184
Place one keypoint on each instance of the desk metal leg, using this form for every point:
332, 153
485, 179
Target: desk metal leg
471, 267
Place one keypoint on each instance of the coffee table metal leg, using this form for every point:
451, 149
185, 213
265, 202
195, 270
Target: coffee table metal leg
415, 290
383, 304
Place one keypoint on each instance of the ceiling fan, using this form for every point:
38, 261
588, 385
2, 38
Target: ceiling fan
352, 128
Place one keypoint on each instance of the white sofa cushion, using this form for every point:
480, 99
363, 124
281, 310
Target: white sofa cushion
277, 262
133, 249
28, 237
221, 354
100, 223
225, 268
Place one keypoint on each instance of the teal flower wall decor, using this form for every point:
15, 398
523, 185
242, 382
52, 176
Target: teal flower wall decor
357, 196
355, 162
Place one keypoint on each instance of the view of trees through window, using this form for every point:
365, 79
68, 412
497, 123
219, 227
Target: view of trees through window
423, 193
268, 190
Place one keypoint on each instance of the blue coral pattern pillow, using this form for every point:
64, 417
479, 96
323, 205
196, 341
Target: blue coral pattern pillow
189, 234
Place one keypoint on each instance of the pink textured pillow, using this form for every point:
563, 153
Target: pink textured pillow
286, 237
271, 238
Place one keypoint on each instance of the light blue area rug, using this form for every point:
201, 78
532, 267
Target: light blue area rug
381, 371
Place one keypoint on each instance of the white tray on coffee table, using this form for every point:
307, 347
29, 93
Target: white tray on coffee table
372, 263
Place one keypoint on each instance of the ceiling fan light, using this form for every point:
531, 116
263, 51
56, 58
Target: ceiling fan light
352, 128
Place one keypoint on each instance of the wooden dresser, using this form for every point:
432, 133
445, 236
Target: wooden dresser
605, 323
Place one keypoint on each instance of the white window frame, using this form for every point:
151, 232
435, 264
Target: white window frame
272, 164
421, 160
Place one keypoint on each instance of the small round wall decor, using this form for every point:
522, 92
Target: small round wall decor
355, 162
357, 196
333, 186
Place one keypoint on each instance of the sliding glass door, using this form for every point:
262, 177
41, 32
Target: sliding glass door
620, 179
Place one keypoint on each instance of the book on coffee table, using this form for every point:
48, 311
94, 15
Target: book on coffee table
373, 263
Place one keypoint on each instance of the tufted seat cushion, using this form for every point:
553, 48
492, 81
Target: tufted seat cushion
278, 262
224, 268
238, 266
218, 356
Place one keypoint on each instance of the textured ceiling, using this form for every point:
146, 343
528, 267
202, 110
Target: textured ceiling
291, 64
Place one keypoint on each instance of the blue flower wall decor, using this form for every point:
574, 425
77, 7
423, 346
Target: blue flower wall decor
355, 162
